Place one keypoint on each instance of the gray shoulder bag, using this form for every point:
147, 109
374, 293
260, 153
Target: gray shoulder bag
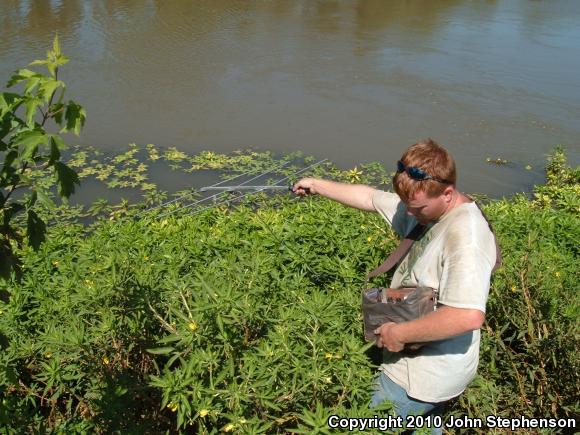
382, 305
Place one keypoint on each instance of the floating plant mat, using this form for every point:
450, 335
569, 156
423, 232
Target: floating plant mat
147, 177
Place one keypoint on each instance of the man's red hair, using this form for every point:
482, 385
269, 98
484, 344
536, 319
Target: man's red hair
432, 158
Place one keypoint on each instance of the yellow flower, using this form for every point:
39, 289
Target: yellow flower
106, 361
513, 288
172, 406
230, 427
47, 354
145, 258
328, 356
557, 274
192, 325
243, 420
203, 413
354, 174
369, 238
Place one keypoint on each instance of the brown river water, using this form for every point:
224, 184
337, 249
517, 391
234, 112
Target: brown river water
354, 81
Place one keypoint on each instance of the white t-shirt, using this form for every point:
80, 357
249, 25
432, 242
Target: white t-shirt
455, 256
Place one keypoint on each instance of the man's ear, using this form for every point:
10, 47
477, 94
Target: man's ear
448, 194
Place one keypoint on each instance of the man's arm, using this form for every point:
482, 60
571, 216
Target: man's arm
444, 323
353, 195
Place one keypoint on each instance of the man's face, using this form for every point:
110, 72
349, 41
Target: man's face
426, 209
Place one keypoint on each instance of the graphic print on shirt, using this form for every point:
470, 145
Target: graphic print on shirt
411, 259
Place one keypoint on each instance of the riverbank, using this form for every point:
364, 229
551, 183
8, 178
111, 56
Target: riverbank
246, 318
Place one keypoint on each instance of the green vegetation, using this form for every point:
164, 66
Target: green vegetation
529, 353
27, 149
245, 317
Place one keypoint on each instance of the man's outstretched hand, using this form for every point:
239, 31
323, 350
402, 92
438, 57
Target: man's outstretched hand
304, 186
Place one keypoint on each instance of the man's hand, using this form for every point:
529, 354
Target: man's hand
304, 186
387, 337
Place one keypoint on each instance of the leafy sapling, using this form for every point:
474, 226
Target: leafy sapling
28, 148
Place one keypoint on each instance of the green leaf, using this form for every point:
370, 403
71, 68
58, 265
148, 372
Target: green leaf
38, 62
30, 140
57, 110
36, 229
32, 199
61, 60
172, 360
56, 144
43, 198
12, 210
8, 166
75, 117
4, 105
20, 76
56, 46
9, 261
48, 87
9, 102
66, 179
32, 83
161, 350
31, 104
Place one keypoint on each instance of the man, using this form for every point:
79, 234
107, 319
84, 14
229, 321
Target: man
456, 256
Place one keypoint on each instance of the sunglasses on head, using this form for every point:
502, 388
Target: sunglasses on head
417, 174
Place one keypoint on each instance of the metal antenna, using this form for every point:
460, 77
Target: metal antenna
243, 187
223, 193
191, 193
259, 190
213, 185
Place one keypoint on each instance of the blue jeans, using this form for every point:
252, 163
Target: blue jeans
385, 389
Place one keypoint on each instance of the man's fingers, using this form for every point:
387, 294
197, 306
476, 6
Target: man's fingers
303, 186
300, 190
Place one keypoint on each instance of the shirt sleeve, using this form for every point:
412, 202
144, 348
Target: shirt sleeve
394, 211
465, 279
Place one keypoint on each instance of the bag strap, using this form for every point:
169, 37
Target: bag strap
415, 234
